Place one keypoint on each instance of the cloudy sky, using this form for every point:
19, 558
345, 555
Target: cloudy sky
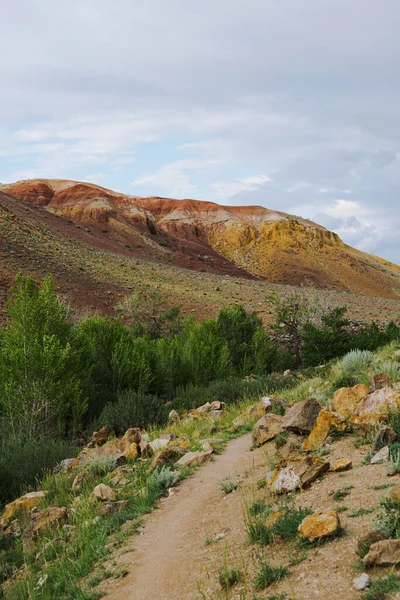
291, 104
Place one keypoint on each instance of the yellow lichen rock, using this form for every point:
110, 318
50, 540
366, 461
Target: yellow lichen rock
346, 399
132, 452
319, 525
326, 423
274, 517
21, 505
375, 408
344, 464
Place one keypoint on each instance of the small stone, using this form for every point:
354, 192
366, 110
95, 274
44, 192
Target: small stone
385, 553
380, 457
174, 417
266, 429
381, 380
285, 481
344, 464
319, 525
301, 417
362, 582
102, 493
194, 458
119, 481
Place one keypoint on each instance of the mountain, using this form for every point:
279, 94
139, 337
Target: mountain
245, 241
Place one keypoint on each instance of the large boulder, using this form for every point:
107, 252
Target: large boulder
327, 422
319, 525
266, 429
346, 399
166, 455
374, 409
301, 417
297, 472
343, 464
100, 437
47, 519
194, 458
102, 493
22, 505
383, 554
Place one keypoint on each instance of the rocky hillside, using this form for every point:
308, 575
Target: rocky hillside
311, 511
219, 239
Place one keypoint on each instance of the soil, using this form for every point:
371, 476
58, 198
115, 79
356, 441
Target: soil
170, 560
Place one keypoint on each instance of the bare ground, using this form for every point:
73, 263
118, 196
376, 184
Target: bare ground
170, 560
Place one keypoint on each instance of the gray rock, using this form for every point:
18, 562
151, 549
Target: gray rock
380, 457
362, 582
302, 416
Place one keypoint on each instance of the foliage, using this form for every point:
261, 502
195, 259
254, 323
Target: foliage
133, 409
237, 328
228, 484
267, 575
162, 479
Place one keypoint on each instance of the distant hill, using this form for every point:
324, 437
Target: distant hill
245, 241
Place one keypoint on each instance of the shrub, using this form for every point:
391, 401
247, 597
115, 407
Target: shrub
133, 409
228, 484
288, 522
229, 577
161, 480
267, 575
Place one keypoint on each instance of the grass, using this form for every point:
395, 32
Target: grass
341, 494
360, 512
259, 533
228, 484
267, 575
228, 578
381, 587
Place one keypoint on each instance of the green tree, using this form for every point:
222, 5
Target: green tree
237, 328
40, 376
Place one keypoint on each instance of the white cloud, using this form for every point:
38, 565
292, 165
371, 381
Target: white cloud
226, 189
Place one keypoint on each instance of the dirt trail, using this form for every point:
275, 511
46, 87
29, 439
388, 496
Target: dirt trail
171, 555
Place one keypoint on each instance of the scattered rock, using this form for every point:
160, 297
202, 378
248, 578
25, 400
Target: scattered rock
362, 583
47, 519
102, 493
384, 553
344, 464
174, 417
106, 509
266, 429
194, 458
236, 425
394, 493
287, 373
158, 444
101, 437
381, 380
345, 399
384, 436
375, 408
319, 525
119, 481
79, 481
166, 455
367, 540
308, 468
110, 450
145, 449
201, 410
217, 406
132, 452
301, 417
327, 422
64, 464
22, 505
284, 481
131, 436
381, 457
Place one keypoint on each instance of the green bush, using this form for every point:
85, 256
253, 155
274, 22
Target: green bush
133, 409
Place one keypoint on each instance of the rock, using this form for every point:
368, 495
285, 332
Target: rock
174, 417
384, 553
106, 509
236, 425
362, 583
79, 481
380, 457
212, 441
346, 399
47, 519
145, 449
319, 525
301, 417
216, 406
131, 436
375, 409
287, 373
385, 436
327, 422
394, 493
274, 517
132, 452
102, 493
166, 455
308, 468
207, 447
119, 481
64, 464
256, 411
266, 429
381, 380
158, 444
109, 451
367, 540
194, 458
101, 437
344, 464
201, 410
22, 505
284, 481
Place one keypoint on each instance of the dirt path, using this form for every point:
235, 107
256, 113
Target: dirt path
172, 553
170, 560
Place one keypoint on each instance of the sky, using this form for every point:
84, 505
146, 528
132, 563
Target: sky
289, 104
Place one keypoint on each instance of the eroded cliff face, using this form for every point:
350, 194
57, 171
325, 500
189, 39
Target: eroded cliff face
253, 239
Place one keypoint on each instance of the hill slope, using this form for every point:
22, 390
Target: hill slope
206, 236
